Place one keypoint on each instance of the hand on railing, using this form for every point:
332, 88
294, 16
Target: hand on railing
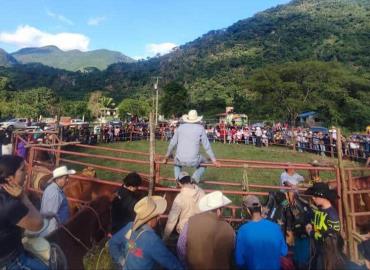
216, 163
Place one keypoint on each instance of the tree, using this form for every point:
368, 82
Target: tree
93, 104
336, 93
134, 107
175, 100
76, 109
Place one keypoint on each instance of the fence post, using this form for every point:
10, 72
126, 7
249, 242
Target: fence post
57, 155
157, 173
331, 145
152, 154
29, 168
345, 195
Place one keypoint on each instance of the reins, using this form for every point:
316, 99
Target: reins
79, 240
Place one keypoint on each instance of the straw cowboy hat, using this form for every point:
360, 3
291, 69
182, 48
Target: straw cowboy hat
148, 208
212, 201
192, 117
61, 171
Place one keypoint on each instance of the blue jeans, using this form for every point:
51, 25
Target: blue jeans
26, 261
198, 173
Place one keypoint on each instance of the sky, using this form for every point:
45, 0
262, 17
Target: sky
136, 28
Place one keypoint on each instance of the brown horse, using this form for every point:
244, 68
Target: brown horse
88, 227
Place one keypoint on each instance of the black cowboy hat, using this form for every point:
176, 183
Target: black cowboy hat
322, 190
364, 249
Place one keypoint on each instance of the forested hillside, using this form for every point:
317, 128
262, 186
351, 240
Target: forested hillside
306, 55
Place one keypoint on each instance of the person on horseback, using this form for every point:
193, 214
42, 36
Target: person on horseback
187, 139
17, 213
54, 204
324, 224
136, 245
124, 202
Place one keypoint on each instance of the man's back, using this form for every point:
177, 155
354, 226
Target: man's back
123, 208
210, 242
145, 249
259, 245
189, 136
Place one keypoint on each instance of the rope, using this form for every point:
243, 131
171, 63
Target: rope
245, 183
97, 218
100, 254
74, 237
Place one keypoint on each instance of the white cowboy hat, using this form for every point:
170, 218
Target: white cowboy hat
213, 201
191, 117
148, 208
61, 171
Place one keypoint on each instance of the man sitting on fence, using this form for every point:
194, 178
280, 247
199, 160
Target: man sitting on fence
187, 139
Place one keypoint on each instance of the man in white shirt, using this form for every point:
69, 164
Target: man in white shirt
290, 178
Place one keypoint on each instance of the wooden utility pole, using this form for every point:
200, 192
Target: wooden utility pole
151, 153
344, 198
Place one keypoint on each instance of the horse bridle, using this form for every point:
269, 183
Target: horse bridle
101, 228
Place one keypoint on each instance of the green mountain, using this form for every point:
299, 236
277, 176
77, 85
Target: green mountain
6, 60
70, 60
321, 47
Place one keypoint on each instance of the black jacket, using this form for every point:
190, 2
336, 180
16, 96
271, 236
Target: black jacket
123, 208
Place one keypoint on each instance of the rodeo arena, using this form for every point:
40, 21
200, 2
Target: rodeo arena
62, 205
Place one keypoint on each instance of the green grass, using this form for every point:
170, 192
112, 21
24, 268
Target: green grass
234, 151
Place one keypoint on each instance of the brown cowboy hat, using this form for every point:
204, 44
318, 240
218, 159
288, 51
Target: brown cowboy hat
148, 208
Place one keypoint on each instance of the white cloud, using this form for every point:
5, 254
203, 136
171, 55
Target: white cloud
28, 36
136, 57
95, 21
59, 17
161, 48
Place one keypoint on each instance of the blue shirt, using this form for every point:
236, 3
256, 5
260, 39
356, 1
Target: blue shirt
145, 250
54, 201
187, 139
259, 246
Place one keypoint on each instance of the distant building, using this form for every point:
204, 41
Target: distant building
309, 119
231, 118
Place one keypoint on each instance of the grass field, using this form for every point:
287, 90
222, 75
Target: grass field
234, 151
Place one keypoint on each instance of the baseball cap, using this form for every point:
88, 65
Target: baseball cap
182, 175
251, 201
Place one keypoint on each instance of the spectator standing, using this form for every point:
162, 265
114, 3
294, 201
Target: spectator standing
259, 243
187, 139
325, 225
7, 147
137, 246
184, 206
17, 213
124, 201
54, 202
258, 137
207, 241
